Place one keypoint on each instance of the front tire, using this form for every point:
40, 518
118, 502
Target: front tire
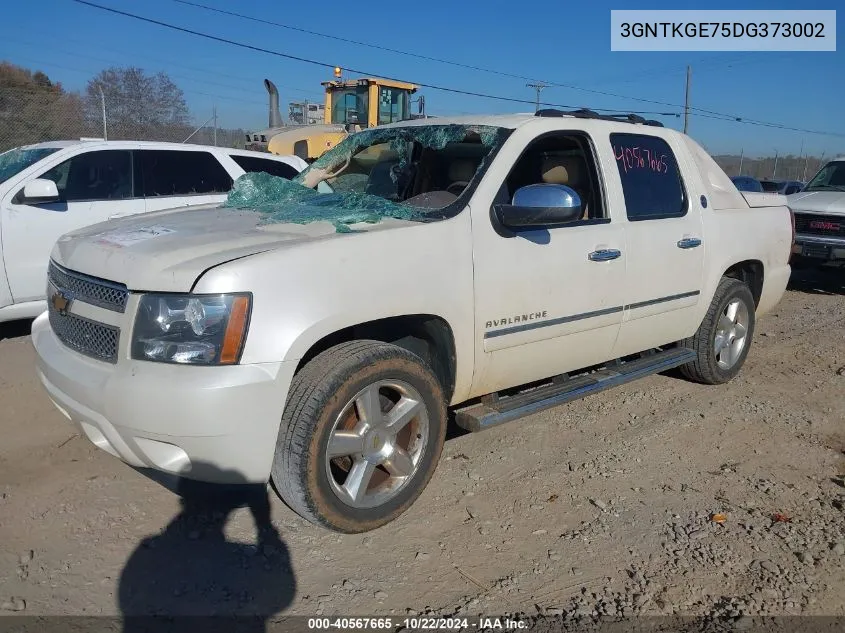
361, 435
724, 336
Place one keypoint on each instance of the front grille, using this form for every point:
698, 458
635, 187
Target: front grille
829, 225
98, 292
93, 339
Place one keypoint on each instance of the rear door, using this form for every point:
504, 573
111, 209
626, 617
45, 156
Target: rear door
665, 241
93, 187
174, 178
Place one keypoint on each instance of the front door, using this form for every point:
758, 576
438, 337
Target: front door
93, 186
548, 300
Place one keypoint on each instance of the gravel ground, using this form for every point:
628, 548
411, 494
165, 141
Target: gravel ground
608, 506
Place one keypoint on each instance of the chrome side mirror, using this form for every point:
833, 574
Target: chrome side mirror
542, 204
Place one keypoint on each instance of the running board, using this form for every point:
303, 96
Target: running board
494, 410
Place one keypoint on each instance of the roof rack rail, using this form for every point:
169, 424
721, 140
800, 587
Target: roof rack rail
584, 113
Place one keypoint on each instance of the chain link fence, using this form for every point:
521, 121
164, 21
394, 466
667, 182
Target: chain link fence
30, 116
788, 167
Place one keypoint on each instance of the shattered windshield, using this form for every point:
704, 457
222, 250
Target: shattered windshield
409, 173
16, 160
830, 178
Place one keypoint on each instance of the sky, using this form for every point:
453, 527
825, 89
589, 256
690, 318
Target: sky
564, 42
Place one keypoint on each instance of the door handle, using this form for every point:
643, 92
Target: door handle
604, 255
689, 242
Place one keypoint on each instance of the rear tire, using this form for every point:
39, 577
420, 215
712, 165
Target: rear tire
724, 336
361, 435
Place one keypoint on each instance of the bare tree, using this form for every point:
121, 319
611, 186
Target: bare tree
138, 105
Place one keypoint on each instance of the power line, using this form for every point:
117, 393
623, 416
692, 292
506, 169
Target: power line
314, 62
91, 72
531, 80
356, 42
182, 77
306, 60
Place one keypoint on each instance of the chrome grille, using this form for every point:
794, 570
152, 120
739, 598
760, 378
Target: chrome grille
98, 292
93, 339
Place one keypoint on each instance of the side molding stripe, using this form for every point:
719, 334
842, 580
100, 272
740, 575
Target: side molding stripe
587, 315
651, 302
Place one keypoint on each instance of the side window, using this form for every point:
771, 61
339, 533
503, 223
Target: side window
102, 175
178, 173
272, 167
651, 180
560, 159
392, 105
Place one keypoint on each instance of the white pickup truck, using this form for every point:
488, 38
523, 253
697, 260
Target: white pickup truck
819, 210
494, 266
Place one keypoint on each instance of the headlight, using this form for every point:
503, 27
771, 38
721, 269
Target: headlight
191, 329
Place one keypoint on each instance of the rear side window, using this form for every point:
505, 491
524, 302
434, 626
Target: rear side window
175, 173
252, 164
651, 180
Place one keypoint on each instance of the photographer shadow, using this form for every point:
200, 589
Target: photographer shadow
190, 577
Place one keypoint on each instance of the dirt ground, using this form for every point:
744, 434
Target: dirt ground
599, 507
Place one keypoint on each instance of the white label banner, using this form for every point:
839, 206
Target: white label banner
708, 30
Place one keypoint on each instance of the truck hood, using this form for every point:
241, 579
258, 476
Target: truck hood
830, 202
168, 251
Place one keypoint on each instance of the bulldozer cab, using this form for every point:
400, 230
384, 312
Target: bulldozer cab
351, 105
367, 102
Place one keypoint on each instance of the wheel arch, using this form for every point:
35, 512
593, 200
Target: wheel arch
427, 335
750, 272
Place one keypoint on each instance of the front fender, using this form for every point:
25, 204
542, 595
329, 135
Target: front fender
307, 291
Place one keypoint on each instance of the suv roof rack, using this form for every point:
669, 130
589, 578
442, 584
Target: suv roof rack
584, 113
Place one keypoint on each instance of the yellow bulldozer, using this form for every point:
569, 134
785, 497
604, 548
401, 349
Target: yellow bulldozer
351, 105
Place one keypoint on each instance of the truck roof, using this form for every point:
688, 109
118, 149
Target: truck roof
513, 121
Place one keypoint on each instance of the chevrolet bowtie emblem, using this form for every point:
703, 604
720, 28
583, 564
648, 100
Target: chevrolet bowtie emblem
61, 301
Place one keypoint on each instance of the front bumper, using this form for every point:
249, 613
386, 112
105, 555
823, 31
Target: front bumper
216, 424
819, 247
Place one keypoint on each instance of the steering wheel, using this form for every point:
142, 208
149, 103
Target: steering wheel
460, 185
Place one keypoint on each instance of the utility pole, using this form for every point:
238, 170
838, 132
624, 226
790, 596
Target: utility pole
686, 100
775, 168
214, 116
800, 155
538, 86
103, 102
741, 156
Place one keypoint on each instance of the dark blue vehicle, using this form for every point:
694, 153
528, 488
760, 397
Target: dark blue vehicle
747, 183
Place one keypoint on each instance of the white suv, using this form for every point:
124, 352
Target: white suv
51, 188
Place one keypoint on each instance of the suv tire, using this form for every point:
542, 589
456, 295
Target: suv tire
361, 435
724, 336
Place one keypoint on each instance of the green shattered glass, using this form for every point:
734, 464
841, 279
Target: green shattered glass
286, 201
432, 136
281, 201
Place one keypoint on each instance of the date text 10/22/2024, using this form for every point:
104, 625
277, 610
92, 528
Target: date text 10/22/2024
421, 623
